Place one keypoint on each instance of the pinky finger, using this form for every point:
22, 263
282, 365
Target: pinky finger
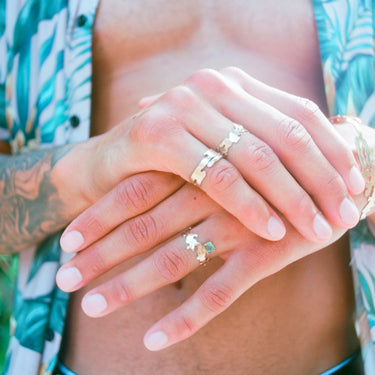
214, 296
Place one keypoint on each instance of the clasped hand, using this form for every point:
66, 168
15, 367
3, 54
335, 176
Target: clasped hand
283, 191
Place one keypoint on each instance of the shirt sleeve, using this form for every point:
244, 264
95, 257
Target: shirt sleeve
4, 132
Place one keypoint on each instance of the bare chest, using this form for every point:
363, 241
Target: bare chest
130, 30
148, 46
143, 47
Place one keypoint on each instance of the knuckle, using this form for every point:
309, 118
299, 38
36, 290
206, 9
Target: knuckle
301, 204
307, 110
133, 192
293, 134
185, 325
152, 126
122, 292
255, 209
171, 263
253, 258
147, 127
202, 75
232, 70
343, 152
207, 80
216, 297
142, 229
181, 96
95, 265
92, 221
261, 156
237, 76
335, 184
222, 176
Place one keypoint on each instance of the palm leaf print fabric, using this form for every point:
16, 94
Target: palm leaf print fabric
346, 31
45, 88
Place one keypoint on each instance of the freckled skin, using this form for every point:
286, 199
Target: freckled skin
298, 321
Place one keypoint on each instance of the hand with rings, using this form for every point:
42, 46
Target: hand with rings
258, 168
114, 231
249, 147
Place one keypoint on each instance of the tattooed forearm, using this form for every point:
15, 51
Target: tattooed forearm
30, 208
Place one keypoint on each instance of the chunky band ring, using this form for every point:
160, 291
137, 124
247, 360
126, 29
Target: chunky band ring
233, 137
201, 251
366, 161
210, 157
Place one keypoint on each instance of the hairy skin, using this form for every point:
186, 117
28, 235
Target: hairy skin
30, 207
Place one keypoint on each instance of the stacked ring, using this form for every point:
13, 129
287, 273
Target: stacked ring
233, 137
201, 251
210, 157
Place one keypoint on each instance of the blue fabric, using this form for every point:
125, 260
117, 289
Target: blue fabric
340, 366
63, 370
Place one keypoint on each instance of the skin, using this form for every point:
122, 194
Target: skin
24, 215
121, 63
248, 319
120, 145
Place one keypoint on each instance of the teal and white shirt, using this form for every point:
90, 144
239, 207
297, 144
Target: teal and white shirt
45, 87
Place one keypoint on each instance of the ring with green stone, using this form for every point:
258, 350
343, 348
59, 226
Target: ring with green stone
201, 251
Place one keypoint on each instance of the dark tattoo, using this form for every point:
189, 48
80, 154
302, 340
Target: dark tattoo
30, 208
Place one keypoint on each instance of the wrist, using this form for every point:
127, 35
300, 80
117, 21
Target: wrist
72, 177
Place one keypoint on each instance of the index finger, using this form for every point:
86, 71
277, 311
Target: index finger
131, 197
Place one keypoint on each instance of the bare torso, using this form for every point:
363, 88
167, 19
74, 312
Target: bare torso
299, 321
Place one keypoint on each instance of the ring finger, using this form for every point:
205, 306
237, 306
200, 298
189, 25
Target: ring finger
263, 170
136, 236
166, 265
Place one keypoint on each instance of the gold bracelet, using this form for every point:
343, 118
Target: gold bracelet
365, 158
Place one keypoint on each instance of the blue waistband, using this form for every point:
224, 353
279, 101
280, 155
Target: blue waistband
63, 370
341, 365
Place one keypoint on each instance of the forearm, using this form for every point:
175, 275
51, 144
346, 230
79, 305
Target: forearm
40, 192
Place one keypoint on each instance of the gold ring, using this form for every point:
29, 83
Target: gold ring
233, 137
201, 251
210, 157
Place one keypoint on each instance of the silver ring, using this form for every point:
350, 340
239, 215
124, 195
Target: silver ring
233, 137
201, 251
210, 157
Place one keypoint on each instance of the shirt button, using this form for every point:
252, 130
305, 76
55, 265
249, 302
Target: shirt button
49, 334
74, 121
81, 20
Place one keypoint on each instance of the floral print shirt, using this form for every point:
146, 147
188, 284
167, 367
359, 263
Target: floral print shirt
45, 86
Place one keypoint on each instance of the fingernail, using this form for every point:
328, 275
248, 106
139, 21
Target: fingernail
67, 279
276, 228
349, 212
357, 182
156, 341
94, 305
322, 229
71, 241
